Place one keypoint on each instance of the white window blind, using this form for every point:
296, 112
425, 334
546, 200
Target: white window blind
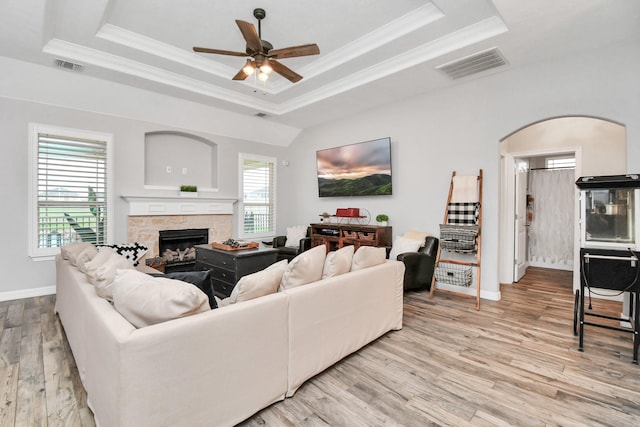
258, 196
70, 191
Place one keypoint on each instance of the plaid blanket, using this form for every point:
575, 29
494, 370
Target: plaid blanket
463, 213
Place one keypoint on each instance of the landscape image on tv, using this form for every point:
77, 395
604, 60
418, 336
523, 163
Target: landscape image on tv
362, 169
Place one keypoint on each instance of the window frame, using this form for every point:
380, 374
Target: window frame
35, 129
241, 203
551, 162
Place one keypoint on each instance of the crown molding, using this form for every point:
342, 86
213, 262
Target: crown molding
395, 29
86, 55
464, 37
406, 24
163, 50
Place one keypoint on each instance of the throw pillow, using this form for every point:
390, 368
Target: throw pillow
144, 300
258, 284
102, 276
402, 245
416, 235
201, 279
85, 256
295, 234
338, 262
71, 252
368, 256
100, 258
305, 268
133, 251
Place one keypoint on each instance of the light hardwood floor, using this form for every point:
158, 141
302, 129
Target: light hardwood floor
515, 362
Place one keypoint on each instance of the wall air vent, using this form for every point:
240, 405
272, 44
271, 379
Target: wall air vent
473, 64
68, 65
261, 115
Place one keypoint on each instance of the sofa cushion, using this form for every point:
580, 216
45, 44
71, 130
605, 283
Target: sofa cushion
102, 276
258, 284
368, 256
71, 252
85, 256
201, 279
133, 251
144, 300
295, 234
98, 259
338, 262
403, 244
305, 268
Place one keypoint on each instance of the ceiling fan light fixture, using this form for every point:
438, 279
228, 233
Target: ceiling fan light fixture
249, 68
266, 69
263, 56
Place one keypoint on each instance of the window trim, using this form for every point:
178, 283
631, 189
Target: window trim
242, 157
48, 254
549, 162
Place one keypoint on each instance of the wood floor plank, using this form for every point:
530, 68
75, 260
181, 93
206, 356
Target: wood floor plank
8, 393
31, 400
62, 405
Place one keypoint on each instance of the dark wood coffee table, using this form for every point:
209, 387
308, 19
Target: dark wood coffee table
229, 266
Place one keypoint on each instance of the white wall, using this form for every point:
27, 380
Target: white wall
21, 275
432, 135
460, 129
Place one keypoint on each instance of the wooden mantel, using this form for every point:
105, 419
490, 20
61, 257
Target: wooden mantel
159, 205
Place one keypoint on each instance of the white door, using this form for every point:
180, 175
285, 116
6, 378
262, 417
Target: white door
520, 243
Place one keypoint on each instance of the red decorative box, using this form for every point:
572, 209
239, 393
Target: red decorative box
348, 212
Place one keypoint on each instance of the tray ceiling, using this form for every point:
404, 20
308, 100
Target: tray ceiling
366, 47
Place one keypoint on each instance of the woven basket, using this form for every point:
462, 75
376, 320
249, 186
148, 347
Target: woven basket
454, 274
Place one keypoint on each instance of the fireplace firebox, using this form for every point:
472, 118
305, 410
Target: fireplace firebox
177, 247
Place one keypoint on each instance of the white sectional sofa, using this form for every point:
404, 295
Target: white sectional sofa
221, 366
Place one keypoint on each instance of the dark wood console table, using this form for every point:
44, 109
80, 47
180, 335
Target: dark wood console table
229, 266
335, 236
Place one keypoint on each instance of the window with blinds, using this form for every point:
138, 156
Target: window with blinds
258, 196
70, 196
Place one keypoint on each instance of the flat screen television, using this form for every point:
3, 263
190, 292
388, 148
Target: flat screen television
362, 169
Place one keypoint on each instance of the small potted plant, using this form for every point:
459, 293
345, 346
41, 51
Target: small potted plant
189, 191
382, 219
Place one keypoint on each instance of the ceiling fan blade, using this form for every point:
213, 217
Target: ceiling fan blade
241, 75
285, 71
250, 35
218, 51
293, 51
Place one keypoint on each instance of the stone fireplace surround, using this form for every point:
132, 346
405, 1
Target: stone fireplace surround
149, 215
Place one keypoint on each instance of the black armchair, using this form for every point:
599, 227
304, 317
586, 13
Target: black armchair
419, 266
290, 252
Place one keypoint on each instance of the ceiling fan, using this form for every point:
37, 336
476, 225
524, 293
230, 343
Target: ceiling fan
263, 56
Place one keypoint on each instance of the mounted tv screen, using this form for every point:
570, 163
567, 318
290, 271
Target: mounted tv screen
362, 169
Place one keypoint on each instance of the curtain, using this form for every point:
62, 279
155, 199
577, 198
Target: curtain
551, 228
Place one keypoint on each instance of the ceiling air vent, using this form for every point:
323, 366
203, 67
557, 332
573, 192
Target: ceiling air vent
473, 64
68, 65
261, 115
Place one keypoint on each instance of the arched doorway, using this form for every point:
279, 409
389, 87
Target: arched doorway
598, 147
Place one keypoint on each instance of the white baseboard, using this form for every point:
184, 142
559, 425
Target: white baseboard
492, 296
27, 293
